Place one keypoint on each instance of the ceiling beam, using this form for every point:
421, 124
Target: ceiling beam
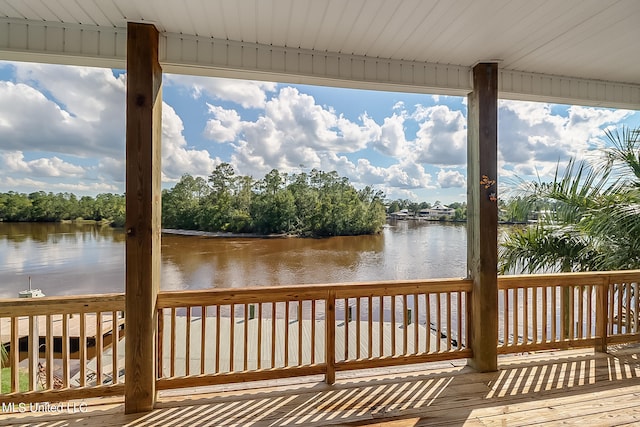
73, 44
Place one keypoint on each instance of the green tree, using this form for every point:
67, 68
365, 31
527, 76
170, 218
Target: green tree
274, 206
180, 205
593, 216
215, 209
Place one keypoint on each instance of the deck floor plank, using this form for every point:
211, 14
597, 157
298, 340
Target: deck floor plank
552, 388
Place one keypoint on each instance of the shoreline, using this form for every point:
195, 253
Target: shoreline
198, 233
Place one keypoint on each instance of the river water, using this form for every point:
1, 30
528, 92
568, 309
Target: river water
70, 259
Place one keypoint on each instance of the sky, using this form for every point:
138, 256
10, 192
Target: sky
62, 129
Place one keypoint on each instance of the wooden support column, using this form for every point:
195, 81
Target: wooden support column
482, 217
144, 126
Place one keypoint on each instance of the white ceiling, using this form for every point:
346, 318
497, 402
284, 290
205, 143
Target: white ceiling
583, 51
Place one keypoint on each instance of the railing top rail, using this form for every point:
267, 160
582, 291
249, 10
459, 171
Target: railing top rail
567, 279
223, 296
68, 304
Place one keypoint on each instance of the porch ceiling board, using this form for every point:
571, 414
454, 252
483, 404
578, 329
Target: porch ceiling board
574, 51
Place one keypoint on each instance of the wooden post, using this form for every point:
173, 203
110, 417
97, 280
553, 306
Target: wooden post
143, 130
482, 221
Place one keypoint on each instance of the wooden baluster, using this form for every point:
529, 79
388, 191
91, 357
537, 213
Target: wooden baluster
273, 335
393, 325
187, 344
525, 316
245, 308
629, 310
589, 294
313, 331
636, 311
330, 337
620, 287
370, 320
259, 366
357, 319
232, 337
160, 350
65, 351
534, 318
83, 349
505, 294
99, 348
115, 339
34, 352
601, 315
580, 322
49, 352
438, 321
15, 355
459, 319
545, 314
203, 338
468, 317
611, 308
381, 325
554, 313
286, 334
299, 333
572, 312
405, 324
516, 309
428, 322
172, 365
218, 340
415, 323
347, 318
448, 321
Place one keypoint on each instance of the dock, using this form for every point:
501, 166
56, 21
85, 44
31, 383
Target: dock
91, 329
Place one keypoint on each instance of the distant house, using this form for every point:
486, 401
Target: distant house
436, 212
401, 214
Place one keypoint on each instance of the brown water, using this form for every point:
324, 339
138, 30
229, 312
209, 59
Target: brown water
65, 259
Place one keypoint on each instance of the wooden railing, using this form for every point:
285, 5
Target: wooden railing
71, 347
556, 311
62, 347
233, 335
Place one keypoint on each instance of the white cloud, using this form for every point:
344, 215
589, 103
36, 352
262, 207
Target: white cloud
451, 179
533, 139
442, 136
28, 185
111, 169
224, 126
85, 92
248, 94
43, 167
177, 158
391, 139
61, 109
293, 131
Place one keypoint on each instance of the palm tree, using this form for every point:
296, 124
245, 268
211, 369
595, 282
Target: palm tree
592, 216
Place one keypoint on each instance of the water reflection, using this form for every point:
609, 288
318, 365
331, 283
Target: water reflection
65, 259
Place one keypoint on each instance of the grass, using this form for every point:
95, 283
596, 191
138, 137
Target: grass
23, 378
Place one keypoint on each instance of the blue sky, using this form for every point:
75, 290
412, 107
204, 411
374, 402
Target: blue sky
62, 129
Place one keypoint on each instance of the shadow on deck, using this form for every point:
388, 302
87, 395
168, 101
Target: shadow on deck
567, 387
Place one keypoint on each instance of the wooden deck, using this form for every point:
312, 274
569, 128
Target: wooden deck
550, 388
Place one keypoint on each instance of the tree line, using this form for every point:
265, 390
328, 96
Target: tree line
305, 204
40, 206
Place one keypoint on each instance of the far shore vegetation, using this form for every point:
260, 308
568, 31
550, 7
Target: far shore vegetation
313, 204
305, 204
